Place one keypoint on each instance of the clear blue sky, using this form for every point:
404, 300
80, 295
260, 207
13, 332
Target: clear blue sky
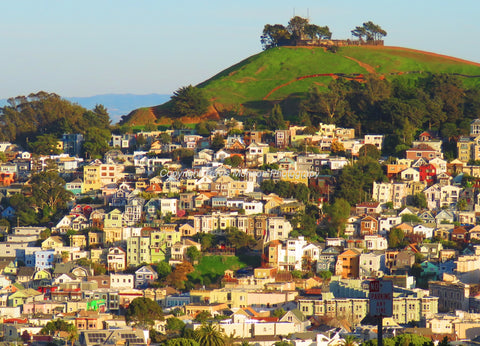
84, 48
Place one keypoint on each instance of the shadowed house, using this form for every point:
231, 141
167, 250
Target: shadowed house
404, 260
368, 226
459, 234
144, 276
348, 264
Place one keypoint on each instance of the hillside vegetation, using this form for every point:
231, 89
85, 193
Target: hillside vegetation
255, 84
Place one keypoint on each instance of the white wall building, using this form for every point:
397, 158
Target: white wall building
168, 205
122, 281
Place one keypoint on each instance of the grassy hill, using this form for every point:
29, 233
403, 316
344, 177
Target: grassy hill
286, 73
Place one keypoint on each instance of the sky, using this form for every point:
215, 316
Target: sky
84, 48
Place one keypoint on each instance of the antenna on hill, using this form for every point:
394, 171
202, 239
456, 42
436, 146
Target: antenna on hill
293, 12
308, 14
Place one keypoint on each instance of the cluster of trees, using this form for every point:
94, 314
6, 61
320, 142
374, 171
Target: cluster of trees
400, 108
408, 339
369, 32
58, 325
298, 28
43, 117
286, 189
46, 201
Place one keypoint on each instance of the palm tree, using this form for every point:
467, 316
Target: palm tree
72, 335
244, 343
349, 340
209, 335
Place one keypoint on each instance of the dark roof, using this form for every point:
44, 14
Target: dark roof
25, 271
283, 276
63, 268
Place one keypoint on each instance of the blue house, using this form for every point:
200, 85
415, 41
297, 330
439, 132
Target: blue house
447, 267
8, 213
74, 186
44, 259
72, 143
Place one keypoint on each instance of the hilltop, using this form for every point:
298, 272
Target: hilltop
285, 74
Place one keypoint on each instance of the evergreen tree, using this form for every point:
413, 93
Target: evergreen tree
276, 120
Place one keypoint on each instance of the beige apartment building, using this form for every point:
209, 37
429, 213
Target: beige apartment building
405, 309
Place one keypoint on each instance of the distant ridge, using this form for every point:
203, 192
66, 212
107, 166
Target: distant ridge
117, 104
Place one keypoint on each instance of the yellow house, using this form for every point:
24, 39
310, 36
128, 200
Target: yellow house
97, 174
272, 206
112, 235
234, 298
295, 176
95, 238
78, 240
113, 219
52, 242
91, 178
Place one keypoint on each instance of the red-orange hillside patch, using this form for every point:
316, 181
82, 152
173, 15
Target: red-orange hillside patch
367, 67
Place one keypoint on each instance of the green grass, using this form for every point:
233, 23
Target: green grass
250, 81
216, 265
253, 79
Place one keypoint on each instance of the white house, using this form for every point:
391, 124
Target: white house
449, 195
439, 164
410, 174
335, 242
116, 259
432, 196
427, 232
375, 242
386, 223
168, 205
122, 281
371, 264
278, 228
291, 254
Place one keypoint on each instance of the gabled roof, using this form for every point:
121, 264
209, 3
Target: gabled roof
146, 268
25, 271
297, 313
63, 268
422, 147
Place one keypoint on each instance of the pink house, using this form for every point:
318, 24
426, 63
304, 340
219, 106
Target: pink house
423, 150
45, 308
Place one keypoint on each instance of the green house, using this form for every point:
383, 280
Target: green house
96, 305
21, 297
160, 244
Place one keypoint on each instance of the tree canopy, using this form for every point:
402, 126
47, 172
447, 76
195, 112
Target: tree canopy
48, 192
143, 312
298, 28
26, 117
55, 326
46, 144
369, 31
209, 335
189, 101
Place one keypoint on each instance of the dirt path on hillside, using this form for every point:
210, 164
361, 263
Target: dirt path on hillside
367, 67
333, 75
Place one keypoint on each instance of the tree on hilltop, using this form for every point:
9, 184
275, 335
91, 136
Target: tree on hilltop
298, 28
369, 32
313, 31
274, 35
